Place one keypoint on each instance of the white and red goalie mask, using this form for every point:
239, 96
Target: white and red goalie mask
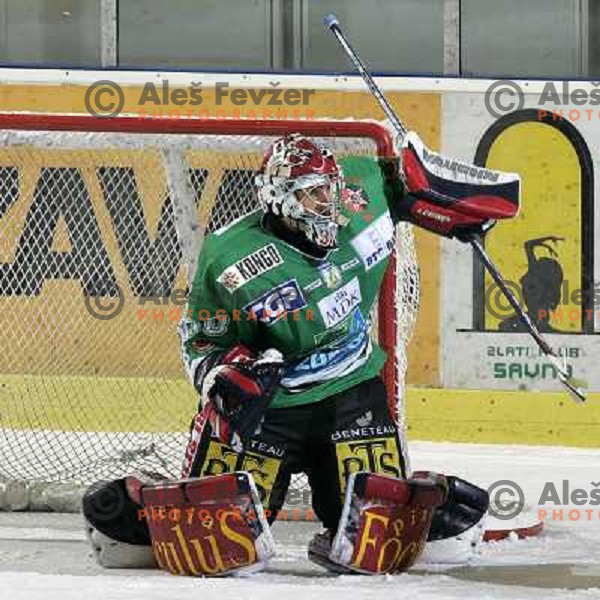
301, 181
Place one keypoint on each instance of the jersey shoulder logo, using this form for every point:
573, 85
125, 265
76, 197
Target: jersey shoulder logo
249, 267
274, 304
313, 285
374, 243
335, 307
216, 326
189, 328
354, 198
331, 275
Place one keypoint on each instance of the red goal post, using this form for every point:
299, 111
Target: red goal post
92, 160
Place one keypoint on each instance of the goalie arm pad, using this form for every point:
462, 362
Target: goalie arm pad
201, 354
208, 332
446, 196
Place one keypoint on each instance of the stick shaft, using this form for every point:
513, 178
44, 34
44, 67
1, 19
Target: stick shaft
528, 322
366, 75
332, 25
498, 279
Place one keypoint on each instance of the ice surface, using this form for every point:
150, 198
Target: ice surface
44, 555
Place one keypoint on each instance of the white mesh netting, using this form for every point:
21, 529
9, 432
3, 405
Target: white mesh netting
98, 235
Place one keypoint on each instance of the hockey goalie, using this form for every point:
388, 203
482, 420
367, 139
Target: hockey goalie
277, 344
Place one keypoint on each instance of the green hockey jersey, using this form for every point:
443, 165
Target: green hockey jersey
252, 287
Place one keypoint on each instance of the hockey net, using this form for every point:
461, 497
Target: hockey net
100, 225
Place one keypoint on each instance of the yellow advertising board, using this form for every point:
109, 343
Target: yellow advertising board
87, 251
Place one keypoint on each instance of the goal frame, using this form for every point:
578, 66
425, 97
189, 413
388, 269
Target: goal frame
374, 131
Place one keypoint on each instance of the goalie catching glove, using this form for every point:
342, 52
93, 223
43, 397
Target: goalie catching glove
236, 393
449, 197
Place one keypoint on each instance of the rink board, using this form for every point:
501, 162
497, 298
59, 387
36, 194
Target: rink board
450, 116
487, 416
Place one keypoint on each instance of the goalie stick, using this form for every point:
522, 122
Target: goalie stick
571, 384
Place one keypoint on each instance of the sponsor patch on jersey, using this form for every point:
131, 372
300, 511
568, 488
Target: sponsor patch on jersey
275, 303
347, 349
249, 267
330, 335
375, 242
335, 307
349, 326
330, 274
216, 326
350, 264
313, 285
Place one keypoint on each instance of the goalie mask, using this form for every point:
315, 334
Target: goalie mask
301, 181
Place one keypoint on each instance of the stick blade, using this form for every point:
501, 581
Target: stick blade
524, 525
496, 535
574, 388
